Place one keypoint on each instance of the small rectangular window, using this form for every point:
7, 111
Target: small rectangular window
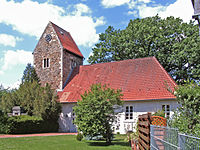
166, 109
46, 63
127, 116
131, 115
163, 107
129, 112
127, 108
168, 114
131, 108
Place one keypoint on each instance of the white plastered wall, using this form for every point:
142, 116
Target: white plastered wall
66, 118
139, 107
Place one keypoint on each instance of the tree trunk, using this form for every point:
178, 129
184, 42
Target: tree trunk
108, 140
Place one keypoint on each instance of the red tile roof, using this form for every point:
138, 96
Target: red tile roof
139, 79
66, 40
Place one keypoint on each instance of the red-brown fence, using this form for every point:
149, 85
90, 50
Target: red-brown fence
144, 131
144, 122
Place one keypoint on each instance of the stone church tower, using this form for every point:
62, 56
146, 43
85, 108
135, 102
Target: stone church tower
55, 56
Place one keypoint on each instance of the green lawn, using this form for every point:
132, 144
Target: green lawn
62, 142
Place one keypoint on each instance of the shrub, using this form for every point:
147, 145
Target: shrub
29, 124
160, 113
187, 117
95, 112
79, 137
3, 122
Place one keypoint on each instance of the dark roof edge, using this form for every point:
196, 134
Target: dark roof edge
73, 53
150, 100
174, 99
163, 69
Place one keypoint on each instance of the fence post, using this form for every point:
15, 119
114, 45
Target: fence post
179, 141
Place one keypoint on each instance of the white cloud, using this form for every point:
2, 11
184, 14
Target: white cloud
134, 13
14, 85
31, 18
180, 8
81, 9
1, 72
146, 11
144, 1
13, 58
113, 3
9, 40
82, 28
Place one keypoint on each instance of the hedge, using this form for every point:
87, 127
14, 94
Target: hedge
28, 124
3, 123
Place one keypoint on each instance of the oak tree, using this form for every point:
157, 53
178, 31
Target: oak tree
174, 43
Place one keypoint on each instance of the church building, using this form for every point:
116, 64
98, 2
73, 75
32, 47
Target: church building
144, 82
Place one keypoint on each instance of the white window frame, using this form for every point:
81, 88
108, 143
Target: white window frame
129, 112
166, 108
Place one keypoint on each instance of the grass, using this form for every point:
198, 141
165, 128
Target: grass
62, 142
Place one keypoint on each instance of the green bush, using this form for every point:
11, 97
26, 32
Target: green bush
187, 117
3, 122
160, 113
29, 124
79, 137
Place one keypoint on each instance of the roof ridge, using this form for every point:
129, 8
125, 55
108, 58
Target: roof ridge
125, 60
58, 26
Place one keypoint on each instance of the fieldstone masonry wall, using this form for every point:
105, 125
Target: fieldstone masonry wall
68, 58
51, 50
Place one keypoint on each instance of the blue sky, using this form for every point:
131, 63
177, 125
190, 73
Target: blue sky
23, 21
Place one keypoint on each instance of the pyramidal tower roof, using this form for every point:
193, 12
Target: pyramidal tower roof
66, 40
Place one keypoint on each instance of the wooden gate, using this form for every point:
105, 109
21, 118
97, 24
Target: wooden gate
144, 131
144, 122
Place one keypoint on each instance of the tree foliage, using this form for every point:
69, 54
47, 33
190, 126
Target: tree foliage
2, 92
95, 112
29, 74
187, 118
174, 43
34, 99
